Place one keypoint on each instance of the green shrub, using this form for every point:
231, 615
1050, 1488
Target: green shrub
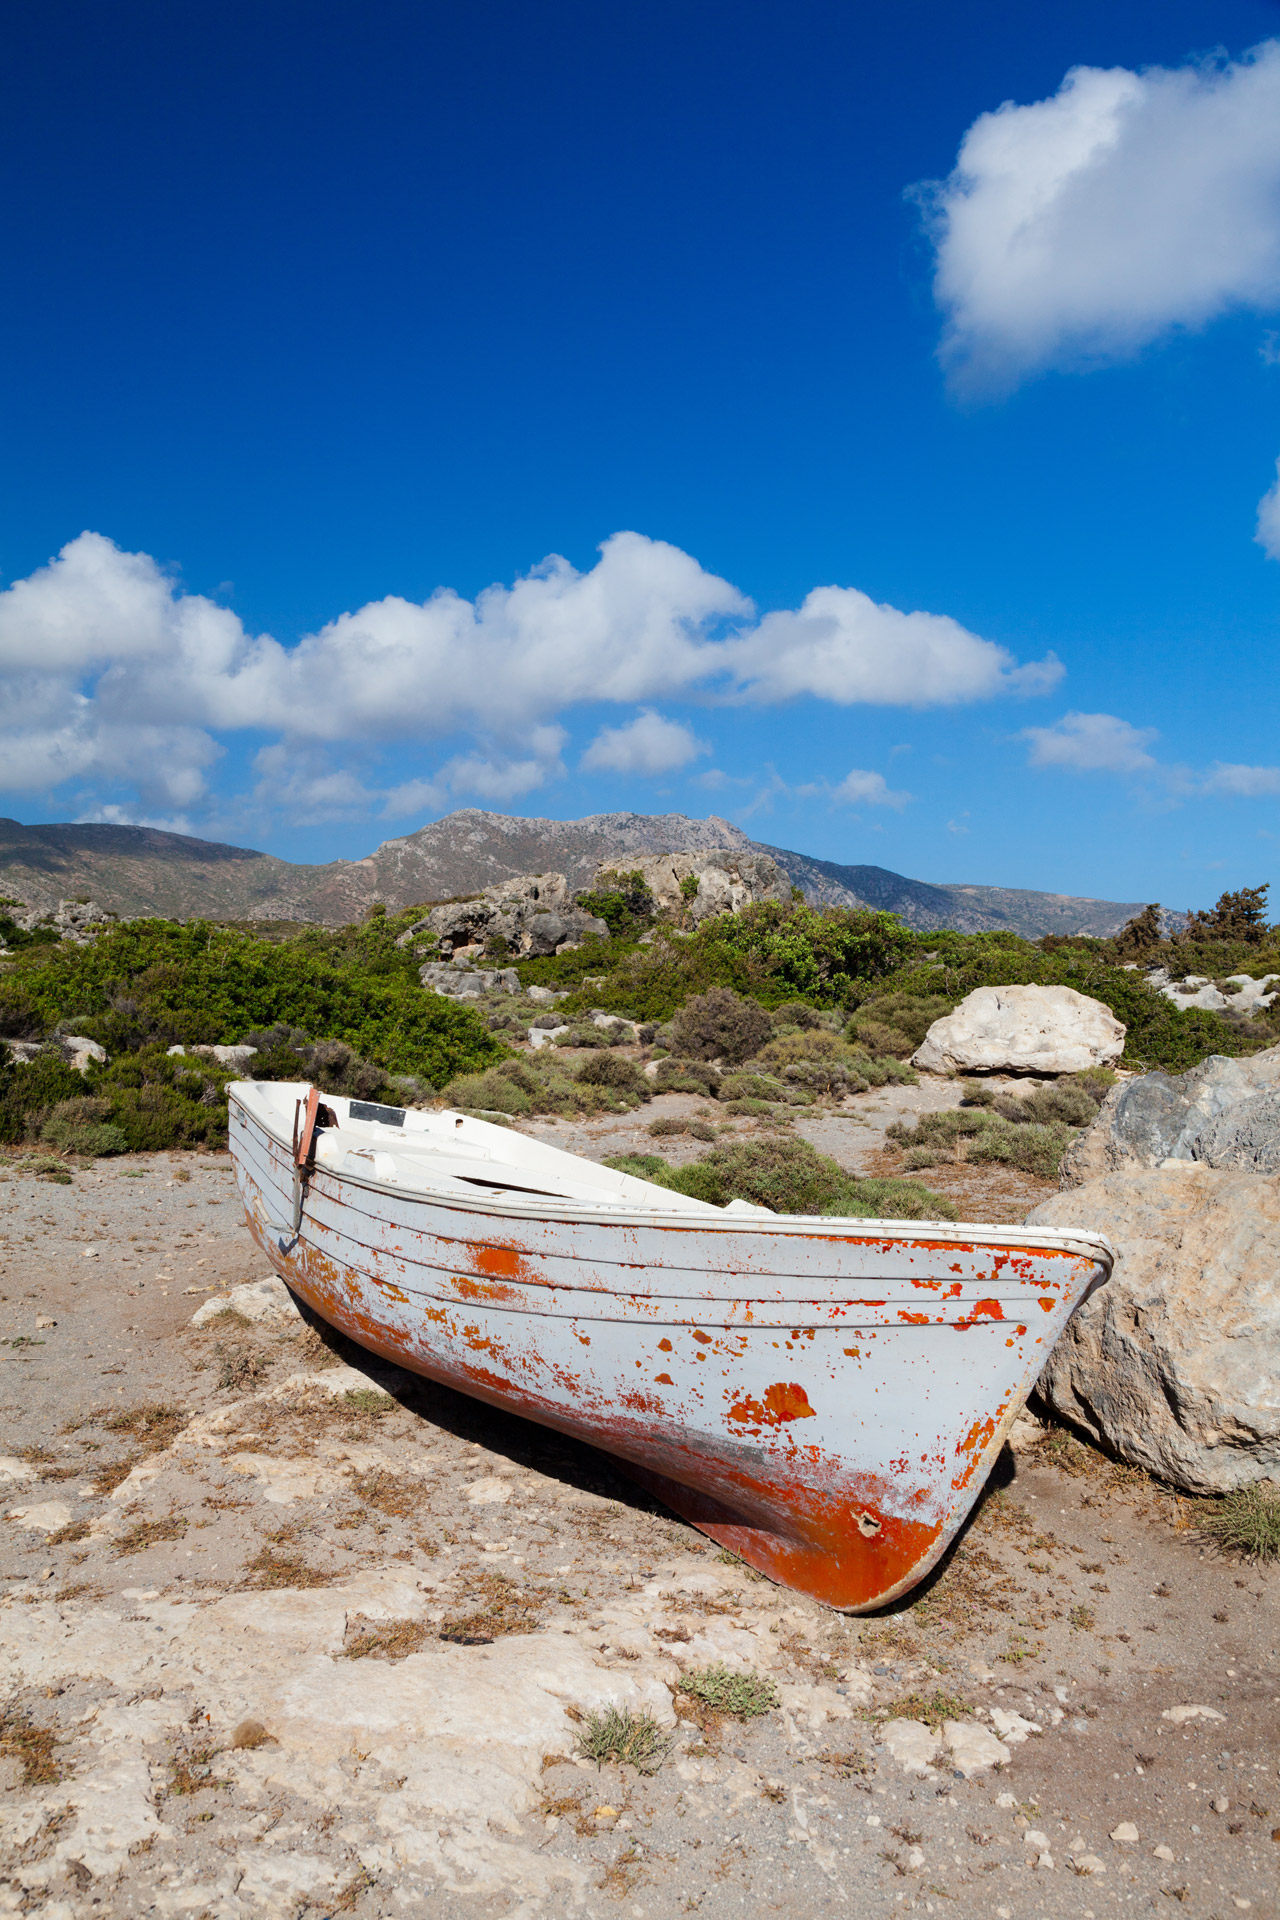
157, 983
28, 1093
720, 1025
539, 1084
631, 1739
789, 1176
583, 1035
988, 1136
687, 1076
81, 1125
727, 1690
896, 1023
622, 900
1246, 1521
613, 1070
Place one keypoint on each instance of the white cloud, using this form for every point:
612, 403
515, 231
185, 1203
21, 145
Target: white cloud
842, 646
1268, 533
1080, 227
1249, 782
647, 744
113, 673
1091, 743
858, 789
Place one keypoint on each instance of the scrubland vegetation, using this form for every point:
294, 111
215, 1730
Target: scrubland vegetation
765, 1012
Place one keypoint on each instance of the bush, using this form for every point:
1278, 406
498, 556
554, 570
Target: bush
896, 1023
81, 1125
1020, 1141
687, 1076
622, 900
28, 1093
788, 1176
613, 1070
720, 1025
157, 983
587, 1036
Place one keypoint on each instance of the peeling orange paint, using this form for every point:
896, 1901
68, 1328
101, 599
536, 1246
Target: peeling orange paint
783, 1401
664, 1380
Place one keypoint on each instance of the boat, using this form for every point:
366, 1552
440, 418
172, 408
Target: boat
823, 1397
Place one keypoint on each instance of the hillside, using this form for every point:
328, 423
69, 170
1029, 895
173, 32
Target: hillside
141, 870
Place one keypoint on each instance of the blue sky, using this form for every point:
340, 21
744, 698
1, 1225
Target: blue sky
315, 311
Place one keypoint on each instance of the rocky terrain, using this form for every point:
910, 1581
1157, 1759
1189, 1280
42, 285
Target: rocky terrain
286, 1630
141, 870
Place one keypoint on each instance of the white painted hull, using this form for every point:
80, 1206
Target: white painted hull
824, 1397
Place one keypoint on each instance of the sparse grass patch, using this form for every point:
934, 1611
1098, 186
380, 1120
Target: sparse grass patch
274, 1566
742, 1695
391, 1493
192, 1772
150, 1533
1246, 1521
383, 1639
240, 1366
499, 1607
632, 1739
370, 1400
933, 1708
34, 1746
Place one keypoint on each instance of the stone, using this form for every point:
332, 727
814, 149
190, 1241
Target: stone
727, 880
80, 1052
1011, 1727
1223, 1112
912, 1746
1171, 1363
1089, 1863
1047, 1030
973, 1748
468, 983
1125, 1835
15, 1471
237, 1058
265, 1299
533, 916
1163, 1853
1182, 1714
49, 1516
544, 996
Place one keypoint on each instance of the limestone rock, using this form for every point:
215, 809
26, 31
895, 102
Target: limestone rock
534, 916
265, 1299
468, 983
1224, 1112
1022, 1030
728, 879
1172, 1362
973, 1748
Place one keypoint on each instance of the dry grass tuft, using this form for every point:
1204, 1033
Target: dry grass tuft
150, 1533
390, 1493
35, 1746
933, 1708
383, 1639
632, 1739
1245, 1522
273, 1567
501, 1607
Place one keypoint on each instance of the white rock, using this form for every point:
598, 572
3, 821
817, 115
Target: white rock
50, 1516
1126, 1834
265, 1299
1034, 1838
1011, 1727
488, 1492
973, 1748
912, 1746
915, 1859
1180, 1715
1089, 1863
80, 1052
13, 1471
1163, 1853
1172, 1363
1022, 1030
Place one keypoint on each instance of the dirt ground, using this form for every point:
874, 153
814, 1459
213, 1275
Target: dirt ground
286, 1631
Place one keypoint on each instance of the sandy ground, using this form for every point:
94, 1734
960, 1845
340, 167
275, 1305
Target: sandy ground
286, 1631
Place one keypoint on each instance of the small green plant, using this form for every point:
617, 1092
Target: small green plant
933, 1708
1246, 1521
743, 1695
788, 1175
632, 1739
370, 1400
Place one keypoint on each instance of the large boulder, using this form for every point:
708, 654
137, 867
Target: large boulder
728, 879
1224, 1112
1173, 1363
535, 915
1044, 1030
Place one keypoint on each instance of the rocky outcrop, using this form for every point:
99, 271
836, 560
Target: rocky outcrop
1224, 1112
1246, 995
727, 879
1172, 1364
533, 917
1034, 1029
463, 982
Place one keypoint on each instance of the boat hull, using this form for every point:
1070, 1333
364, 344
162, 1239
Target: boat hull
825, 1399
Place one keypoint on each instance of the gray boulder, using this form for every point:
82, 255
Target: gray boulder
535, 916
468, 983
1224, 1112
1173, 1363
728, 879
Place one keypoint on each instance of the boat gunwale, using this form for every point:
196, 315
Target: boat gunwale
853, 1229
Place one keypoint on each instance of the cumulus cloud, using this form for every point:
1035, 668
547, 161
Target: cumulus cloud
1091, 743
1268, 533
1078, 228
648, 744
114, 673
859, 789
1249, 783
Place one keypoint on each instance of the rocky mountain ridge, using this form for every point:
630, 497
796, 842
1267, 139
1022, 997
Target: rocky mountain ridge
143, 870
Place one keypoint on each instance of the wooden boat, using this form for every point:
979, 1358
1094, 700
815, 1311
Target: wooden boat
824, 1397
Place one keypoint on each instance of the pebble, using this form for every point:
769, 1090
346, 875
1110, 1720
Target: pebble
1125, 1835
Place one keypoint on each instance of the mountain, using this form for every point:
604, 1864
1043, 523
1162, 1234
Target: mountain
140, 870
